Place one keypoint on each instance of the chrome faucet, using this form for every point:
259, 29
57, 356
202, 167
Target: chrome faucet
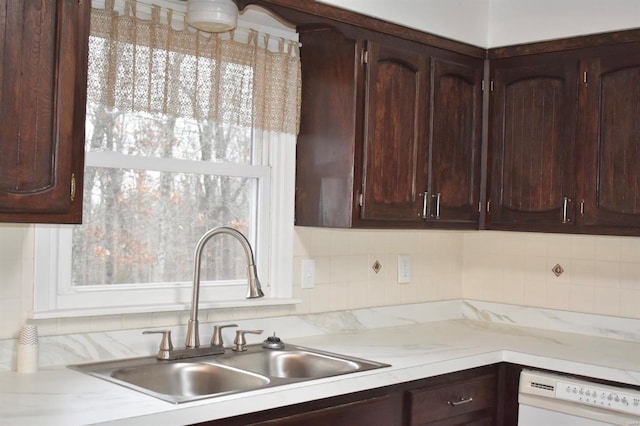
254, 291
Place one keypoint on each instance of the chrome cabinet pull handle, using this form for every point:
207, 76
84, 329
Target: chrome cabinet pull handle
565, 210
425, 198
462, 401
73, 187
437, 197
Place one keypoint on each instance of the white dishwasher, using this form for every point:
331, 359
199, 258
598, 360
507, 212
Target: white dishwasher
552, 400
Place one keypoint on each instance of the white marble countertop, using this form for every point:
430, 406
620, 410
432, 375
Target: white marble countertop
58, 395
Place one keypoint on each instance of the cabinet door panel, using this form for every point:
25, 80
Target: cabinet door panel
395, 158
456, 116
533, 136
42, 101
613, 191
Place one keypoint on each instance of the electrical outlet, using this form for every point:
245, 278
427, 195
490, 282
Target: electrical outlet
404, 269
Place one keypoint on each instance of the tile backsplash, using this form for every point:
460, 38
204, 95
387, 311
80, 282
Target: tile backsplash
601, 275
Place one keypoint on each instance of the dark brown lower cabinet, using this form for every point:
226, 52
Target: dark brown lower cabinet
468, 397
460, 400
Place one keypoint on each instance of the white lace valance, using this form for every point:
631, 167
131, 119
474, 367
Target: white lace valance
242, 78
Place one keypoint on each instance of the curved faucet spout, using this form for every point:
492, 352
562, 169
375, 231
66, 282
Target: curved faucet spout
255, 290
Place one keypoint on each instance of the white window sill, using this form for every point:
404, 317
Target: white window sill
120, 310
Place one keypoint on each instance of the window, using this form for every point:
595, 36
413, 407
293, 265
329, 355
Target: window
185, 132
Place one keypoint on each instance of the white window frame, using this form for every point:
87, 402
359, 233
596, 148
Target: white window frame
54, 296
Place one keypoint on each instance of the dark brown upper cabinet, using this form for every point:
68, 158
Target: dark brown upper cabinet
43, 50
610, 122
390, 133
532, 143
565, 138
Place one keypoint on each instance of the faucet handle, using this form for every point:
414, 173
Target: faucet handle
165, 345
240, 340
216, 339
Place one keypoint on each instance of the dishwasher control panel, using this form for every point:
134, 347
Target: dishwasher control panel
612, 398
572, 395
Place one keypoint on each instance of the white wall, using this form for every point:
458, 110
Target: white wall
493, 23
523, 21
461, 20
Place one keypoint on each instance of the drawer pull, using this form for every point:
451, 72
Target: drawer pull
462, 401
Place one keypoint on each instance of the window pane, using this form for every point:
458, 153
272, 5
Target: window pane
156, 135
142, 226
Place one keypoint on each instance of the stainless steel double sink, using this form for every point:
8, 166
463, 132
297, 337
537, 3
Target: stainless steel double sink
215, 375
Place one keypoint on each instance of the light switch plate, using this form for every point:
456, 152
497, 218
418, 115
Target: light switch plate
308, 268
404, 269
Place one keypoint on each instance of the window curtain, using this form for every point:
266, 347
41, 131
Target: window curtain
241, 78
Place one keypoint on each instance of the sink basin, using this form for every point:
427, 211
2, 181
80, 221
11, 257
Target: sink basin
294, 364
191, 379
176, 381
188, 379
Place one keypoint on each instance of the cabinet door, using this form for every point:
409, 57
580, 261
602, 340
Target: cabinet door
612, 121
395, 140
532, 145
43, 48
456, 124
328, 129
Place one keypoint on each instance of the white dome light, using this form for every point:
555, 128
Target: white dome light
212, 16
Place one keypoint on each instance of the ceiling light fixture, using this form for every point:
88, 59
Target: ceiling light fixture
212, 16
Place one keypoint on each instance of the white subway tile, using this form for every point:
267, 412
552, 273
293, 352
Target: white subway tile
583, 247
630, 249
630, 276
583, 272
606, 301
581, 299
608, 248
607, 274
339, 297
12, 238
320, 242
513, 292
535, 293
558, 296
558, 246
630, 303
341, 242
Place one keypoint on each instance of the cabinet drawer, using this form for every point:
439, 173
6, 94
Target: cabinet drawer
450, 400
384, 410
